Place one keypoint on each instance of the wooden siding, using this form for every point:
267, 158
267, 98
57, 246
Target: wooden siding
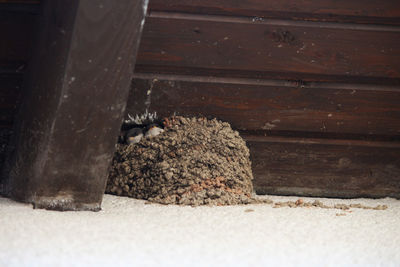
260, 105
17, 28
292, 50
313, 86
355, 11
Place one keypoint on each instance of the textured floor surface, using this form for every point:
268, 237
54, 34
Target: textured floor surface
128, 232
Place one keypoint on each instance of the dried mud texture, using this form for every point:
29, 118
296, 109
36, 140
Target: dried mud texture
195, 161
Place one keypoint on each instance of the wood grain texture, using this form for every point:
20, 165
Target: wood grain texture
19, 6
34, 2
325, 168
274, 51
358, 11
10, 91
267, 112
17, 31
272, 106
74, 99
327, 68
282, 72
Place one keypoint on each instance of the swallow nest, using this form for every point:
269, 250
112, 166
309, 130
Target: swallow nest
195, 161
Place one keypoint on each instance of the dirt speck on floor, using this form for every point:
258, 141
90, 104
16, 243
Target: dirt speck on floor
318, 204
195, 161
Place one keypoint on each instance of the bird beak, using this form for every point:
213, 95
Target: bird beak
134, 139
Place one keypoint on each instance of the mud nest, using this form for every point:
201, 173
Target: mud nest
195, 161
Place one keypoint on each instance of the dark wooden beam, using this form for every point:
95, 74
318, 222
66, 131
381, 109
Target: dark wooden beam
74, 99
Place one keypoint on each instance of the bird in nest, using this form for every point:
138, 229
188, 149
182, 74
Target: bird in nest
135, 128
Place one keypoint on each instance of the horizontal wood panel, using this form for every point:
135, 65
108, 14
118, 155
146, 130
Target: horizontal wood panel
10, 90
17, 33
277, 106
320, 168
360, 11
300, 78
19, 1
305, 50
17, 8
5, 136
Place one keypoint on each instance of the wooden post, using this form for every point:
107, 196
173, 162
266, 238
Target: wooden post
74, 99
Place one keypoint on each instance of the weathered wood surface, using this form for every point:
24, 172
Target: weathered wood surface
17, 33
323, 68
34, 2
356, 11
17, 20
10, 91
18, 6
73, 103
318, 167
276, 106
293, 165
285, 73
282, 50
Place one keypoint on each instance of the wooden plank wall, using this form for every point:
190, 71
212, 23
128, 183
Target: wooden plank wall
17, 31
313, 86
17, 21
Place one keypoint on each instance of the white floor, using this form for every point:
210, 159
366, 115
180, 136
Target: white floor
128, 232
